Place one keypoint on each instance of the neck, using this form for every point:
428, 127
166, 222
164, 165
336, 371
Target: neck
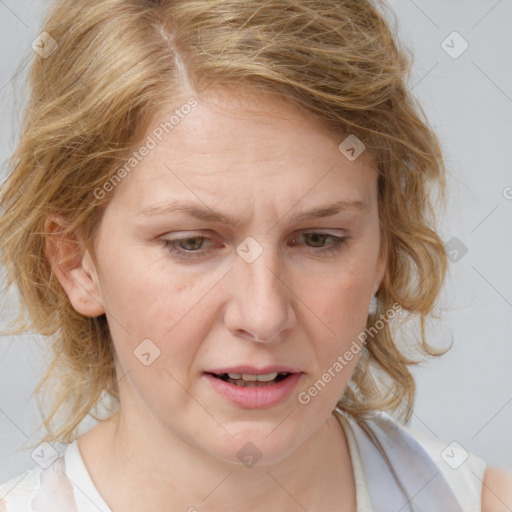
171, 474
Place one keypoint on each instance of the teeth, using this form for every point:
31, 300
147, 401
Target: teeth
266, 378
253, 378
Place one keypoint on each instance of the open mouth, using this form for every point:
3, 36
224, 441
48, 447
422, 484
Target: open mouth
246, 380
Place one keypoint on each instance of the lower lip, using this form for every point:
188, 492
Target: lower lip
255, 397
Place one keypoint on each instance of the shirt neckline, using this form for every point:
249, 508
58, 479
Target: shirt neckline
363, 501
88, 497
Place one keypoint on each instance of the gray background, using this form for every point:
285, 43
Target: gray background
466, 395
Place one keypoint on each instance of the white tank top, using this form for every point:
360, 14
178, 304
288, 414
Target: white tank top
395, 468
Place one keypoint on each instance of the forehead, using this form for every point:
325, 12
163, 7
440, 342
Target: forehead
244, 145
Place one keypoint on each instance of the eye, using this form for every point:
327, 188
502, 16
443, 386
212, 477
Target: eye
192, 246
317, 239
185, 247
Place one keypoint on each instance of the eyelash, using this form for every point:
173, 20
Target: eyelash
170, 245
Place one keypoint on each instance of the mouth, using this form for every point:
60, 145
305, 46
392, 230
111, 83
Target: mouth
252, 380
254, 388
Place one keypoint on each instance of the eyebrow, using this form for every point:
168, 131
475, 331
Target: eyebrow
207, 214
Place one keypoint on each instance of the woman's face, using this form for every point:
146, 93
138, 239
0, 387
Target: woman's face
207, 261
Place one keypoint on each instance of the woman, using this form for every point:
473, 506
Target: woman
219, 212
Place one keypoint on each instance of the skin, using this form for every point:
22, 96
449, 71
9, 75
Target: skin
263, 161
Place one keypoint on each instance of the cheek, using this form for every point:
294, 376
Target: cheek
342, 302
143, 295
342, 305
166, 308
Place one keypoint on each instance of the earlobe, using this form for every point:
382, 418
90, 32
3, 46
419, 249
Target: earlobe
73, 267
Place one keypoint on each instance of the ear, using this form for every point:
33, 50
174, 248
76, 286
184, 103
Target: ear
74, 268
381, 266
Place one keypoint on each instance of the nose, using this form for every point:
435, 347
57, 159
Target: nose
261, 306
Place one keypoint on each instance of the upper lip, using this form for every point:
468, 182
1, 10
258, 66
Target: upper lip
251, 370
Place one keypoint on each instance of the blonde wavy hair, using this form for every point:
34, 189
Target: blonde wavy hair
117, 63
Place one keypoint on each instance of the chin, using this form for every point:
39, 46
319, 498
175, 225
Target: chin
255, 447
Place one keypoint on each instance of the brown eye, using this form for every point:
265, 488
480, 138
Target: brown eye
196, 243
187, 247
316, 240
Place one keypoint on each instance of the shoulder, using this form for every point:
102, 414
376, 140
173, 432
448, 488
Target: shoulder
39, 488
497, 490
17, 493
454, 470
493, 485
464, 471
